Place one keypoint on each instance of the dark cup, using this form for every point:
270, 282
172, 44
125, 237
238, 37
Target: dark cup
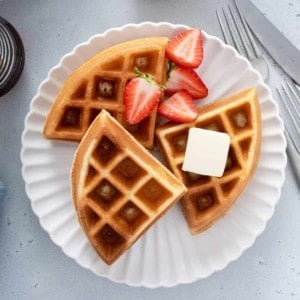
12, 56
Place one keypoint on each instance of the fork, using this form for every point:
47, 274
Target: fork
238, 33
290, 97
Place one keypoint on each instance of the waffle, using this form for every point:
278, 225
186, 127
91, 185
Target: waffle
119, 189
99, 84
209, 198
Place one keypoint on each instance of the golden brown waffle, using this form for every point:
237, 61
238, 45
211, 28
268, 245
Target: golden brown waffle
210, 198
99, 84
119, 189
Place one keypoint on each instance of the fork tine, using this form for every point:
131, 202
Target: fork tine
294, 154
225, 36
235, 44
248, 32
293, 150
239, 31
294, 91
237, 34
291, 108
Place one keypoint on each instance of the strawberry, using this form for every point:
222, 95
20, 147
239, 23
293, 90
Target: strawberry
187, 79
185, 49
141, 96
180, 107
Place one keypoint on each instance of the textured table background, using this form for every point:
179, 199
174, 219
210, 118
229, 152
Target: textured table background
31, 266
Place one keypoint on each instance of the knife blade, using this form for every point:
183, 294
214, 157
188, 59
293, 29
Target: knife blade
278, 46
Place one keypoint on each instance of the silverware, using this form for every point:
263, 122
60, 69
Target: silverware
236, 33
279, 47
290, 97
12, 56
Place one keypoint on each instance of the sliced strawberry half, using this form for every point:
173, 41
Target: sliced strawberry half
186, 79
185, 49
141, 96
179, 108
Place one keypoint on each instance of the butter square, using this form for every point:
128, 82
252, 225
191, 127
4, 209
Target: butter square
206, 152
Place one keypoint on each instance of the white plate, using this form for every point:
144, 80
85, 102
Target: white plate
167, 254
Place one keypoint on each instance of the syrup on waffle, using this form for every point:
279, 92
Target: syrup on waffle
209, 198
99, 84
119, 189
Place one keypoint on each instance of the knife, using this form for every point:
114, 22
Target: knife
279, 47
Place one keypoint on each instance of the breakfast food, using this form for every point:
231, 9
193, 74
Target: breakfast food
100, 83
210, 149
142, 95
119, 189
183, 84
185, 49
208, 198
110, 103
180, 107
185, 79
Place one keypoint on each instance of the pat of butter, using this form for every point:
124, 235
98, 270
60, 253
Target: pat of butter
206, 152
